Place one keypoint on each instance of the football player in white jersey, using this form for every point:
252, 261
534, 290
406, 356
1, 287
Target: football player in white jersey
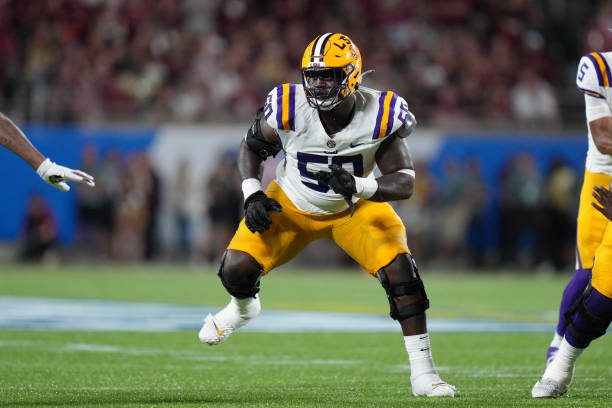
586, 306
13, 139
333, 132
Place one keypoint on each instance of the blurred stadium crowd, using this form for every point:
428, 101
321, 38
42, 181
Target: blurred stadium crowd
446, 219
459, 63
119, 218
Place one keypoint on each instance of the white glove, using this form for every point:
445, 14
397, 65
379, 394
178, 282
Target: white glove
57, 175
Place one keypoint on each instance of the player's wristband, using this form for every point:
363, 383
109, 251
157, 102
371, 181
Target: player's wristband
365, 186
250, 186
44, 166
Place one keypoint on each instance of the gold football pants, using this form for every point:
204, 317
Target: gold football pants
594, 235
373, 236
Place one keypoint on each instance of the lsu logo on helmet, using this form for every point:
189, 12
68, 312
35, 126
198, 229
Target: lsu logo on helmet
331, 70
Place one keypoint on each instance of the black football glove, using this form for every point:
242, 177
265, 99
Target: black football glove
341, 181
256, 209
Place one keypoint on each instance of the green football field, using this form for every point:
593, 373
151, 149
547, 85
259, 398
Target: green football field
158, 369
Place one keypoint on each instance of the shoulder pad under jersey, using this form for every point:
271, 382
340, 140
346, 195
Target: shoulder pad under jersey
393, 115
279, 109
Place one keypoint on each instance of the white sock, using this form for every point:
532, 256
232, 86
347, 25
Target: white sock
238, 312
419, 355
556, 341
564, 362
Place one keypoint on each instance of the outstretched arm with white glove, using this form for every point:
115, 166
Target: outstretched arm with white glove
13, 139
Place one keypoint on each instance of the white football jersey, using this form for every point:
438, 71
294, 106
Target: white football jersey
309, 149
594, 80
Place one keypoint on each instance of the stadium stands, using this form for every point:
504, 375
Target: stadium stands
93, 61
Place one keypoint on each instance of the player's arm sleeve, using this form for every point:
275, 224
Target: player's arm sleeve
393, 117
279, 109
593, 79
596, 108
405, 118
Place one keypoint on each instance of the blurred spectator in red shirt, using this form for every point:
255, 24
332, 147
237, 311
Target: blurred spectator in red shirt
39, 230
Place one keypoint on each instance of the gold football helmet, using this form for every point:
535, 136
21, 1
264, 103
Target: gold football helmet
331, 70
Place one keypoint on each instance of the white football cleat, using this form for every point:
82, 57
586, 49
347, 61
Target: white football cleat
211, 333
430, 385
549, 388
216, 329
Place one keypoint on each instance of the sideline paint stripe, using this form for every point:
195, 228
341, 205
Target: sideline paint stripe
91, 315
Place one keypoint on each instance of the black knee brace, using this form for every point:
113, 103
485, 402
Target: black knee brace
404, 281
240, 282
597, 326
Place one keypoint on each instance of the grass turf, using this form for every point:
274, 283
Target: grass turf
40, 368
279, 370
511, 297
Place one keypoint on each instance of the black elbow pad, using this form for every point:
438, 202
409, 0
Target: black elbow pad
257, 143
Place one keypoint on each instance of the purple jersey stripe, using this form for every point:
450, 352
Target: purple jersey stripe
599, 77
592, 93
292, 107
607, 68
391, 114
381, 108
279, 106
